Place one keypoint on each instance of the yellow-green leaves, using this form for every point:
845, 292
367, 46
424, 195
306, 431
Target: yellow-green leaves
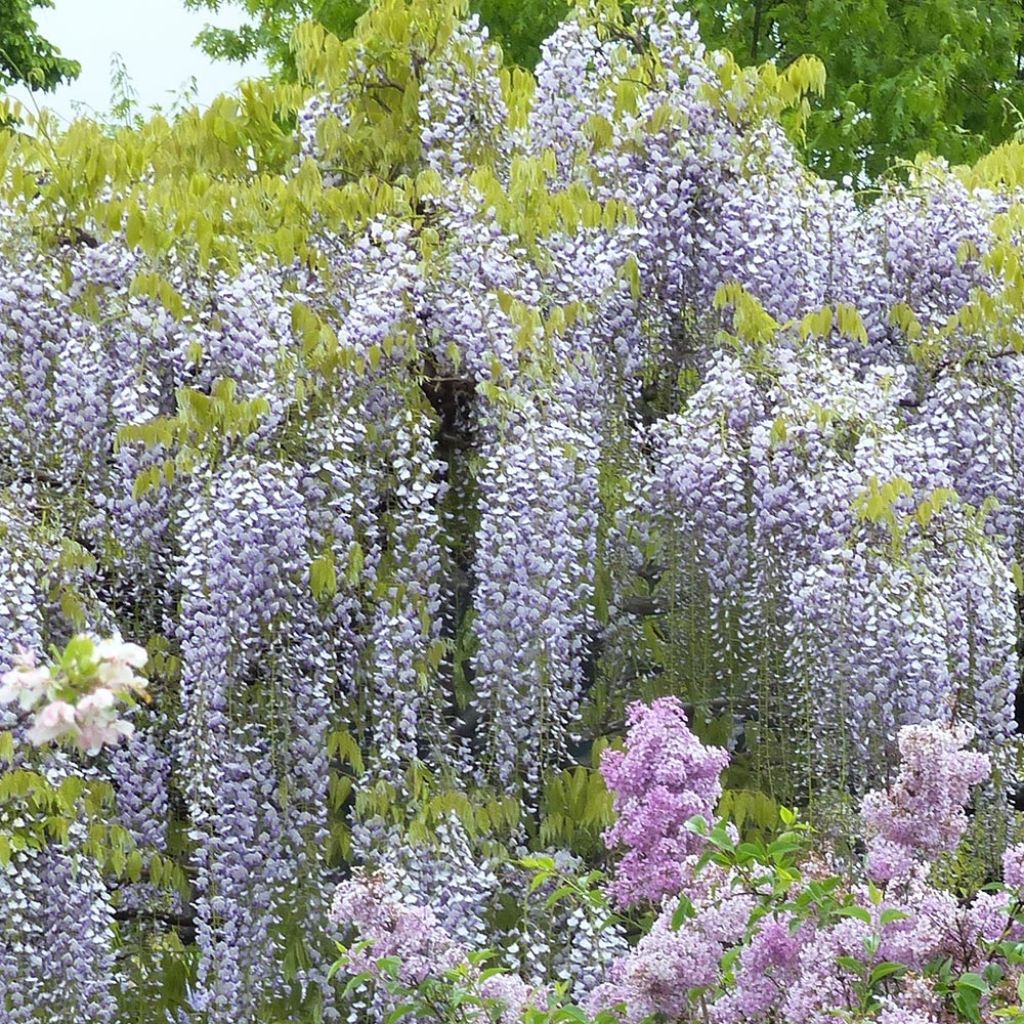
894, 505
218, 186
375, 75
751, 810
323, 579
934, 503
577, 808
354, 565
199, 429
779, 432
817, 324
750, 94
1018, 576
751, 321
903, 317
1002, 167
843, 317
877, 504
850, 323
155, 286
37, 811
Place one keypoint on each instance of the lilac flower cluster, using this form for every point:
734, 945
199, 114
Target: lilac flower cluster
409, 935
922, 811
761, 931
406, 930
751, 940
665, 777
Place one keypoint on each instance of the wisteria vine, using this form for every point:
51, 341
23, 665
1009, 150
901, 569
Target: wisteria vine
407, 449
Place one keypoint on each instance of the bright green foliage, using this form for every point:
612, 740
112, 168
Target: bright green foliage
269, 31
520, 26
35, 811
938, 75
25, 56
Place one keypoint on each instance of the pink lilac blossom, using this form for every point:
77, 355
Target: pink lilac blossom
663, 778
767, 966
1013, 866
656, 977
514, 995
393, 927
922, 813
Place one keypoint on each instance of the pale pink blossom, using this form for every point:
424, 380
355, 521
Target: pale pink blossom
117, 660
103, 732
118, 677
24, 658
96, 704
55, 720
98, 722
121, 651
26, 685
93, 720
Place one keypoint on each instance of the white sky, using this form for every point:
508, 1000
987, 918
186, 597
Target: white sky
154, 38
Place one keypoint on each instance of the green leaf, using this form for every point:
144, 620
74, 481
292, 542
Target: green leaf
971, 980
851, 964
322, 578
884, 970
892, 914
356, 981
570, 1013
684, 911
858, 913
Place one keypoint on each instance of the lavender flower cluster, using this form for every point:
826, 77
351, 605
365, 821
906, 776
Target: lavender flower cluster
753, 934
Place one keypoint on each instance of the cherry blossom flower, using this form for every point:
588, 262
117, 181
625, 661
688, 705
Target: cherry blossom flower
55, 720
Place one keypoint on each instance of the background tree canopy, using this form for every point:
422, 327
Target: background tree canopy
519, 27
942, 76
25, 56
